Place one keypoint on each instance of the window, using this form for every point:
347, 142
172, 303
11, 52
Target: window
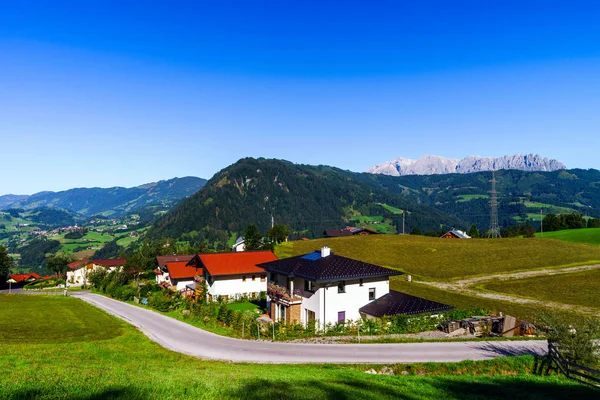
263, 278
309, 286
341, 317
273, 277
243, 278
253, 278
372, 293
342, 287
360, 282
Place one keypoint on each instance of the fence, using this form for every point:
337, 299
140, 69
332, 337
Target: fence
573, 371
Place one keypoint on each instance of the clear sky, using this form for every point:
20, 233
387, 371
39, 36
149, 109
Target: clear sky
123, 93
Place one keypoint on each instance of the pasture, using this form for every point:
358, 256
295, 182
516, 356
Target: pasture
585, 235
442, 259
119, 362
580, 288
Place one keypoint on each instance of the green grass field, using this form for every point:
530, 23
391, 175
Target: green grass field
580, 288
586, 235
118, 362
392, 209
469, 197
435, 258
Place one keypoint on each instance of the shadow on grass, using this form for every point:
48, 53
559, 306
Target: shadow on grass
416, 388
108, 393
508, 349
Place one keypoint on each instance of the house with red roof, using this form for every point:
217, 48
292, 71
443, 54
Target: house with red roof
235, 274
79, 270
161, 271
180, 274
25, 278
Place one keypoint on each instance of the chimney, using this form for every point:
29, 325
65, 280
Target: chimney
325, 251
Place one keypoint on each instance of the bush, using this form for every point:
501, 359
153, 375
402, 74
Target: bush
96, 277
162, 301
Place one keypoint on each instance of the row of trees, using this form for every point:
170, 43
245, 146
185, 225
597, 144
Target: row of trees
553, 222
254, 240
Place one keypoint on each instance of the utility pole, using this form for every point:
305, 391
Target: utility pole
494, 231
403, 212
272, 221
542, 221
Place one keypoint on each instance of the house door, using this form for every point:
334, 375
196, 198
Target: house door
310, 317
342, 317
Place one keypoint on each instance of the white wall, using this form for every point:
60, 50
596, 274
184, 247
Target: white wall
233, 286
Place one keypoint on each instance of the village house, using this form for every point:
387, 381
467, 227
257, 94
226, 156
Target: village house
180, 274
323, 287
455, 234
235, 274
80, 270
348, 231
22, 279
162, 273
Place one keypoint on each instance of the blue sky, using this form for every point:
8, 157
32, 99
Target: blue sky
101, 94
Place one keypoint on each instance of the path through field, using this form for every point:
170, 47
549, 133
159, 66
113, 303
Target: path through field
466, 286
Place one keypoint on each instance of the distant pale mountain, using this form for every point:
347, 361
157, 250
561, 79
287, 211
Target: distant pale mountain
433, 165
113, 201
8, 199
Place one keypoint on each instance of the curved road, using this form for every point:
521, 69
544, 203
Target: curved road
184, 338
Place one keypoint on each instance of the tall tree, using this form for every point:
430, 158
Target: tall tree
473, 231
252, 238
58, 264
277, 234
6, 262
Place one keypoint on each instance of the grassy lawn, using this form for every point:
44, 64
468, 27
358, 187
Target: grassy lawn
580, 288
121, 363
247, 306
469, 197
435, 258
392, 209
586, 235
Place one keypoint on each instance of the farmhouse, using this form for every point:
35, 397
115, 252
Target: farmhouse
25, 278
80, 270
234, 274
348, 231
161, 272
179, 274
323, 287
456, 234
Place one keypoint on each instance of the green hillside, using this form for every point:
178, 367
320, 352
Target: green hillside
585, 235
441, 259
521, 194
306, 198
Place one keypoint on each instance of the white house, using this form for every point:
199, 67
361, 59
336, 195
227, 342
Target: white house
235, 274
323, 287
80, 270
180, 274
239, 245
162, 273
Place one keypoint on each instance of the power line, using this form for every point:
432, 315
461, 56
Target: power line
494, 231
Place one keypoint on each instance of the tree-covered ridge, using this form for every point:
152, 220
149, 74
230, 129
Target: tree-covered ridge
522, 195
306, 198
114, 201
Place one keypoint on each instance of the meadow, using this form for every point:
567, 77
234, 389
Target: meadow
584, 235
580, 288
109, 359
441, 259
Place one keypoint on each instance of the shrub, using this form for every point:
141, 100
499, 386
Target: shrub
162, 301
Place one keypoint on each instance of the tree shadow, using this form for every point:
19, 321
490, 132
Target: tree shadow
108, 394
501, 349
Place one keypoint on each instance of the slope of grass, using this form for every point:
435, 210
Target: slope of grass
50, 319
393, 210
580, 288
130, 366
586, 235
435, 258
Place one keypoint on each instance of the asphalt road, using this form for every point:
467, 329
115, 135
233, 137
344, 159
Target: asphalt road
184, 338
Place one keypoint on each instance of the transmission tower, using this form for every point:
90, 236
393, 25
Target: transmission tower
494, 231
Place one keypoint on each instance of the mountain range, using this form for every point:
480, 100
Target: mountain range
112, 202
432, 165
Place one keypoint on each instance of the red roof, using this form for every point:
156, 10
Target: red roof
25, 277
162, 260
236, 263
157, 271
110, 263
77, 264
179, 270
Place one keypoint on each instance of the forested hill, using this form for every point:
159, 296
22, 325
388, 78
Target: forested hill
114, 201
306, 198
521, 194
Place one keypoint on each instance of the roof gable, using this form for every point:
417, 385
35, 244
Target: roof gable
394, 303
314, 267
235, 263
180, 270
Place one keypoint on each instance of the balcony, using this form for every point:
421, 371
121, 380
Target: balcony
283, 295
